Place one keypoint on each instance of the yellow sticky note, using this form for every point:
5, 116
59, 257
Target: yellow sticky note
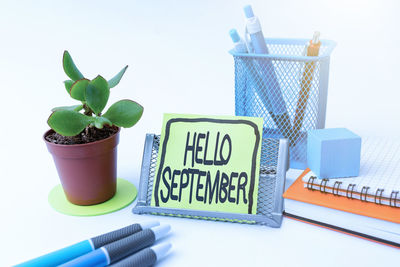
209, 163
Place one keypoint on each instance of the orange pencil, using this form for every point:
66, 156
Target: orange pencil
313, 51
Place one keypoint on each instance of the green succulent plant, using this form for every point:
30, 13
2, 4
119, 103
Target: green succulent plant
93, 95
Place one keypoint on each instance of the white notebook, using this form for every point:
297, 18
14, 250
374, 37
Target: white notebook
379, 179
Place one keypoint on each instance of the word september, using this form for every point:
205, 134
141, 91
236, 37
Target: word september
202, 184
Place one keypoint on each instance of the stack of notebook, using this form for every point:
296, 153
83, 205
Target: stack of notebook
366, 206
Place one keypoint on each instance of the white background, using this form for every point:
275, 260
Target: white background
177, 53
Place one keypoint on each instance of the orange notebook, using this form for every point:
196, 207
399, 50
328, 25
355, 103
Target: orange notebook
302, 195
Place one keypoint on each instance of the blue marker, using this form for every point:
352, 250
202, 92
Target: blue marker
239, 45
247, 82
66, 254
243, 82
266, 70
120, 249
253, 27
146, 257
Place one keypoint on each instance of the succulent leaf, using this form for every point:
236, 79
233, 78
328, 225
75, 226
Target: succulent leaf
74, 108
78, 89
96, 94
124, 113
68, 122
70, 68
99, 122
68, 84
117, 78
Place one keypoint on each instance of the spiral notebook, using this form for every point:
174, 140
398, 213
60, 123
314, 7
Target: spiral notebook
370, 221
379, 179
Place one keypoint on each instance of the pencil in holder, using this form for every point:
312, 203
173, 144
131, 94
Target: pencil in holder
287, 88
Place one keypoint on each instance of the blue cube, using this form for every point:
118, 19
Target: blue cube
333, 153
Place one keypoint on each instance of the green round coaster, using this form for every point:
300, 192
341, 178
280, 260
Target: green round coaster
125, 195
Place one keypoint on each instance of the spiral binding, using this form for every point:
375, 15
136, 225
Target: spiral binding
380, 192
310, 185
364, 191
350, 190
322, 188
393, 198
336, 186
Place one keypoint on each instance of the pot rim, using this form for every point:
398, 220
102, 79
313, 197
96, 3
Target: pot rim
79, 145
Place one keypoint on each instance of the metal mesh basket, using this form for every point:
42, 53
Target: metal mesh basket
287, 89
274, 164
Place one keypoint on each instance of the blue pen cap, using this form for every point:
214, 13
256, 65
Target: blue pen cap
248, 11
234, 35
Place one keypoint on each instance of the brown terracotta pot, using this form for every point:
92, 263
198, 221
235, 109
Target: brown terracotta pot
87, 171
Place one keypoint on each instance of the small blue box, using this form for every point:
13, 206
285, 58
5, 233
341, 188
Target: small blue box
333, 153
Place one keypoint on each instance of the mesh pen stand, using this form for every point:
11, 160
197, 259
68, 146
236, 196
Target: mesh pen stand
287, 89
274, 164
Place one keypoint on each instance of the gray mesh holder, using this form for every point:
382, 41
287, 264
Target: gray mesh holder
274, 164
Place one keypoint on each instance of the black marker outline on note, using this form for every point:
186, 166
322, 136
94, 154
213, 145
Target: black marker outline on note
223, 121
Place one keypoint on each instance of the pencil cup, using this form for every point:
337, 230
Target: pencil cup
286, 88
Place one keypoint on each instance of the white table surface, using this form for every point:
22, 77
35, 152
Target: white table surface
177, 52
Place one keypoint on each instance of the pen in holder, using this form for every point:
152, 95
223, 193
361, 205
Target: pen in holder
273, 86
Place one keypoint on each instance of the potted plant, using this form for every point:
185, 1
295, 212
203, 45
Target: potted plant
83, 141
